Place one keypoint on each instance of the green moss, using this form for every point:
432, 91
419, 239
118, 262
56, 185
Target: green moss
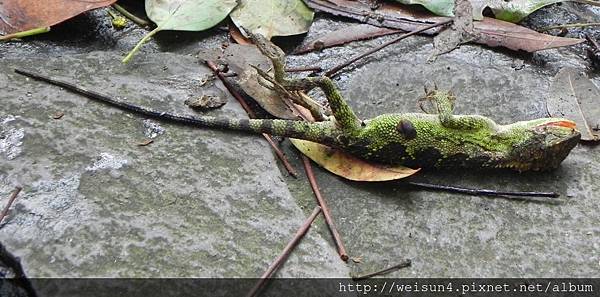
488, 138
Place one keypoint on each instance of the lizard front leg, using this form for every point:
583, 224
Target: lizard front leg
442, 103
345, 117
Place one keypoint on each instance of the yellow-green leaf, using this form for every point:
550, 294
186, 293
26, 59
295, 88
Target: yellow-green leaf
348, 166
183, 15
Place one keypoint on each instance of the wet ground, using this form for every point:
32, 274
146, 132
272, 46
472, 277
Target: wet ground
202, 203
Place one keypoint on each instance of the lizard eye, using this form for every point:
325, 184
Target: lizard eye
406, 129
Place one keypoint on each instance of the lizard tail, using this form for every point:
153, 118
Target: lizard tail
321, 132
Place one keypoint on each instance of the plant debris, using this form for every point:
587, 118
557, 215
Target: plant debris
574, 96
491, 32
345, 35
58, 115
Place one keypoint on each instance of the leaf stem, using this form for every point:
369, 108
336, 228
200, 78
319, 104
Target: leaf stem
140, 43
131, 16
25, 33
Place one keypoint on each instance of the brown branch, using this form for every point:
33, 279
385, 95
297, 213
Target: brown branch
305, 69
290, 169
285, 253
326, 213
12, 198
403, 264
333, 71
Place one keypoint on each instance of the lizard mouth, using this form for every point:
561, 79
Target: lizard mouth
560, 124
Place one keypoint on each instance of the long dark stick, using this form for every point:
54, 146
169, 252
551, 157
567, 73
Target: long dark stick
333, 71
484, 192
285, 253
326, 213
10, 202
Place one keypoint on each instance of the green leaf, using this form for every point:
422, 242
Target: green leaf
188, 15
439, 7
515, 11
511, 11
184, 15
273, 17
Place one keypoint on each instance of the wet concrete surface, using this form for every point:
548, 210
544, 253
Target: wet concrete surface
203, 203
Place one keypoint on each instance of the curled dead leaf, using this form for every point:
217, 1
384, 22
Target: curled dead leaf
345, 35
574, 96
348, 166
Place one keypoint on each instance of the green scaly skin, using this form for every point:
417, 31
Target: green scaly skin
426, 140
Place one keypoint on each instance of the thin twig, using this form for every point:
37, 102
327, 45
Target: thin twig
285, 253
326, 213
403, 264
305, 69
333, 71
299, 69
141, 22
290, 169
576, 25
592, 41
13, 262
12, 198
484, 192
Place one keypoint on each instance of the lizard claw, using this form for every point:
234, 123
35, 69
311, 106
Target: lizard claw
436, 102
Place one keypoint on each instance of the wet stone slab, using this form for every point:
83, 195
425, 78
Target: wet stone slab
211, 203
95, 203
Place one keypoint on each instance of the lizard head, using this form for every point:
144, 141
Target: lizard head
539, 144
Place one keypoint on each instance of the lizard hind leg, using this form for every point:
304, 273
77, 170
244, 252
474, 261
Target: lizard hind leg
342, 112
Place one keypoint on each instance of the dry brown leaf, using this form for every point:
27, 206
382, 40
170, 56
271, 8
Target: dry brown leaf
492, 32
345, 35
239, 58
574, 96
58, 115
237, 36
145, 142
22, 15
348, 166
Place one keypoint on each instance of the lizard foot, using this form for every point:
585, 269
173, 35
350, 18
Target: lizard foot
272, 52
437, 101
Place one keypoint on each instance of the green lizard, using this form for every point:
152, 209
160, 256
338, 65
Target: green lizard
427, 140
